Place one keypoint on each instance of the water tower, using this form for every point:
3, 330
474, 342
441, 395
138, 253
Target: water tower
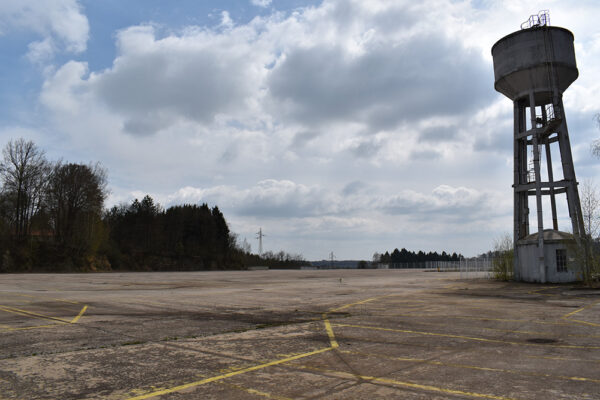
533, 67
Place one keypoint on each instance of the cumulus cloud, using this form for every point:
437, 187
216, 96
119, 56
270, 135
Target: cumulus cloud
340, 63
286, 199
61, 23
388, 84
155, 81
64, 90
273, 198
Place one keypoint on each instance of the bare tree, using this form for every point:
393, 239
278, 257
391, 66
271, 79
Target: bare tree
376, 258
586, 254
24, 172
502, 264
590, 207
75, 198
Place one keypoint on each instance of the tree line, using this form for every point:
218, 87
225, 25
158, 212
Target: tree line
406, 256
53, 218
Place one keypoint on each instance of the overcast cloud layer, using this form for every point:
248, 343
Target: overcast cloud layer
348, 126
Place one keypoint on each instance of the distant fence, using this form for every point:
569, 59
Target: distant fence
468, 268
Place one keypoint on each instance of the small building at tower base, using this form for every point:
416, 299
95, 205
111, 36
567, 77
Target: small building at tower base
558, 249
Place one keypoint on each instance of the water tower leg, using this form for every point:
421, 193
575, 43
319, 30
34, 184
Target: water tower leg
517, 196
550, 172
573, 202
551, 180
521, 198
538, 188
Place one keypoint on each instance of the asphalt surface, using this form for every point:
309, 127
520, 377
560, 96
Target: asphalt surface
336, 334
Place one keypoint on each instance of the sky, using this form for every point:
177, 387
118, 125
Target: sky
344, 126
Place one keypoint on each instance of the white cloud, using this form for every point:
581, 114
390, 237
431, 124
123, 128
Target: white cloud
64, 90
41, 51
61, 23
286, 199
261, 3
197, 76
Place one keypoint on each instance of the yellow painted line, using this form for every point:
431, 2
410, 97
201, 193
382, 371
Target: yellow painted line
535, 333
580, 309
573, 312
479, 318
19, 311
41, 297
31, 314
254, 391
325, 316
565, 359
537, 291
578, 321
501, 319
334, 343
474, 367
412, 385
465, 337
513, 331
228, 375
356, 304
25, 328
74, 320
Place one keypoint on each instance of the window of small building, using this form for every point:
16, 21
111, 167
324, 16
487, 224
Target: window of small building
561, 260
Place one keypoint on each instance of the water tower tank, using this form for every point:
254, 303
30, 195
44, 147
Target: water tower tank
541, 59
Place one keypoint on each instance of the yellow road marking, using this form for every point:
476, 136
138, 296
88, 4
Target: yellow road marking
41, 297
25, 328
480, 318
334, 343
537, 291
490, 369
332, 340
355, 304
228, 375
330, 334
534, 333
31, 314
465, 337
74, 320
18, 311
254, 391
346, 375
579, 310
502, 320
583, 322
514, 331
564, 359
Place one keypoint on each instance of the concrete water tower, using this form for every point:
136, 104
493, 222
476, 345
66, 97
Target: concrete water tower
533, 67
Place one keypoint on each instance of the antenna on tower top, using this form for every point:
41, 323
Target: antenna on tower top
259, 236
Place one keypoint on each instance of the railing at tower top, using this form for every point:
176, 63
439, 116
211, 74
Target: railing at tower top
535, 21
